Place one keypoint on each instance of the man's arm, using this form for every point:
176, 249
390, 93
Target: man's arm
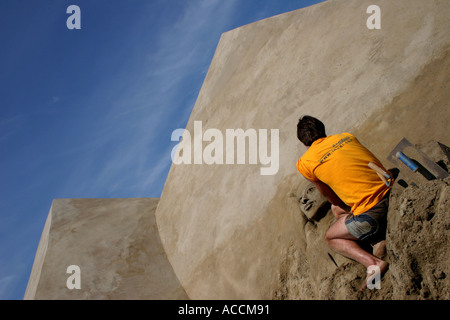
330, 195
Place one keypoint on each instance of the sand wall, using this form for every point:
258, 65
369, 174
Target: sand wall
227, 229
114, 242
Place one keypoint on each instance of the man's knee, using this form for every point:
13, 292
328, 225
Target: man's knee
329, 236
338, 211
338, 230
335, 210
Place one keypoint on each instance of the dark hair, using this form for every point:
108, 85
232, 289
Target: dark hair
309, 129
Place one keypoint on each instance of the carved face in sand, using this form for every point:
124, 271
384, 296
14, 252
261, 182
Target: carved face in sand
313, 203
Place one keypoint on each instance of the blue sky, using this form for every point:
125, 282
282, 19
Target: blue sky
89, 113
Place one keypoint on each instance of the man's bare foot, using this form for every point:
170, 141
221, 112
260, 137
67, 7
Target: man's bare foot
376, 273
379, 249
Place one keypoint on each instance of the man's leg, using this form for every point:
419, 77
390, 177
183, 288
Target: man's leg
340, 240
339, 211
379, 249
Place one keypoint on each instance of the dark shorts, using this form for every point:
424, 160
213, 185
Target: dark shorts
370, 225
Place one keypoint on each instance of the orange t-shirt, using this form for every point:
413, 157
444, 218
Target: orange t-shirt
341, 162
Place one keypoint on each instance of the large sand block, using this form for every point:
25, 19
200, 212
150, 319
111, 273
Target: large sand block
114, 242
227, 229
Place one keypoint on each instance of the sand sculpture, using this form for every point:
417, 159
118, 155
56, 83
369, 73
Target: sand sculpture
115, 245
229, 232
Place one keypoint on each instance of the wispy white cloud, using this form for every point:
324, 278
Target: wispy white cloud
6, 284
151, 175
138, 155
191, 41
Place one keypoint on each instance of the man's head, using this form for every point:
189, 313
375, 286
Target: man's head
309, 129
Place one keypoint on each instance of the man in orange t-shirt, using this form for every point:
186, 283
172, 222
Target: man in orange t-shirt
338, 166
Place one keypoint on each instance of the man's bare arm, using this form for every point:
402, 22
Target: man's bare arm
330, 194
